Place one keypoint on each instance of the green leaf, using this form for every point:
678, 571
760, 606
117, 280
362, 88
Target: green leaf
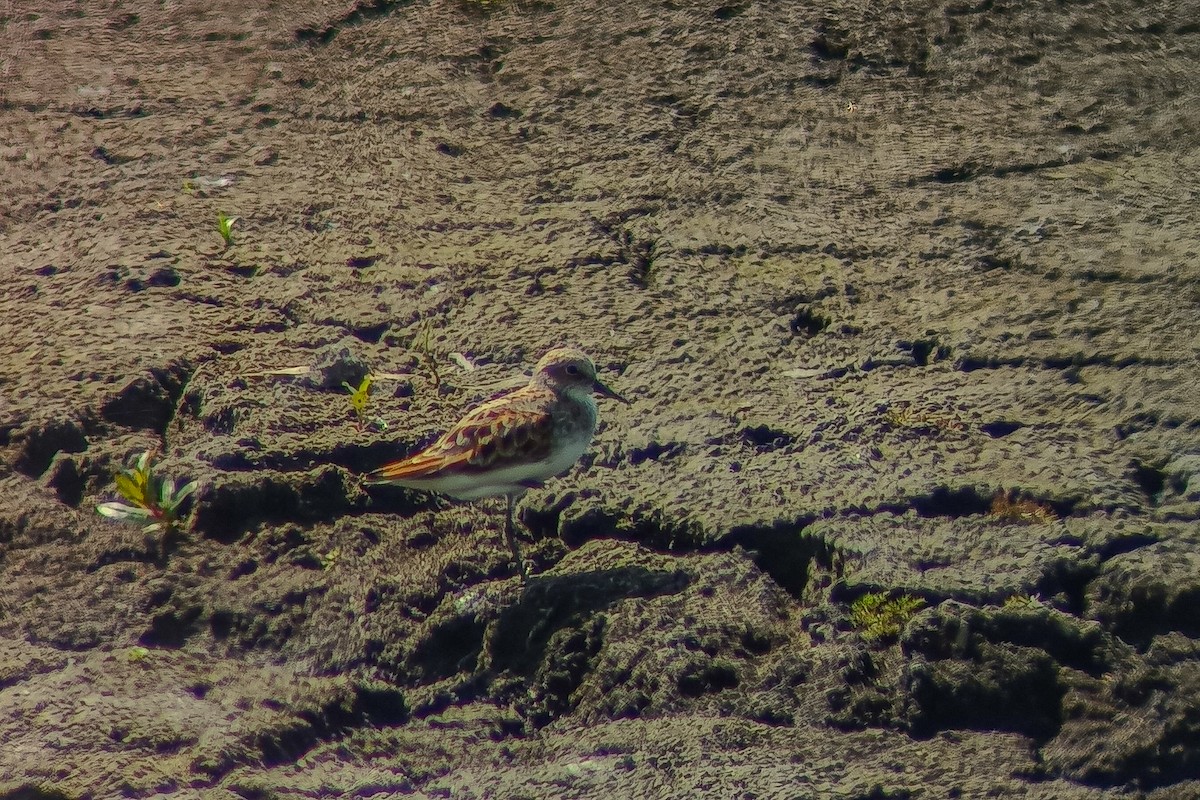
122, 512
166, 493
225, 227
360, 397
130, 489
185, 491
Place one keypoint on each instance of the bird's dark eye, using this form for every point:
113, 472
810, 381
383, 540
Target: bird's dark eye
572, 369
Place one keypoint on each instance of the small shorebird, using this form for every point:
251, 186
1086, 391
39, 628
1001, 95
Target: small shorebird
513, 443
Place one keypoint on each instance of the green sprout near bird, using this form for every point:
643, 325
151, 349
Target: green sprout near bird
149, 500
359, 399
225, 227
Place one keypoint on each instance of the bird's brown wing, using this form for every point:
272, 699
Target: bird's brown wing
507, 431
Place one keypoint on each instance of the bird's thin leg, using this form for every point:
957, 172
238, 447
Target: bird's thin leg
510, 530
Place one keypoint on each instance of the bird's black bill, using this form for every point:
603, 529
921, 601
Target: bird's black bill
604, 391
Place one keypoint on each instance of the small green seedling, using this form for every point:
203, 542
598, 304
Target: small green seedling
329, 559
150, 501
880, 618
425, 348
225, 228
1023, 602
136, 654
360, 398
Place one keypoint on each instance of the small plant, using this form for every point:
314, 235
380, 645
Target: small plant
1006, 506
150, 501
136, 654
225, 227
903, 415
1023, 602
329, 558
360, 398
424, 347
879, 617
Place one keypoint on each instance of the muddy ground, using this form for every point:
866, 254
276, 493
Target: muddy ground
905, 296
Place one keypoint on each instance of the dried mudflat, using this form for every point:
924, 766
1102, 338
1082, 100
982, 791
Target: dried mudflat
905, 297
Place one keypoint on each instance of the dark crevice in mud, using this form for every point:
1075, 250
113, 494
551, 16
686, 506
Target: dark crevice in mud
821, 81
286, 744
172, 628
697, 680
1140, 609
922, 349
450, 648
655, 451
34, 791
41, 445
201, 299
956, 631
786, 553
830, 44
968, 501
794, 301
1150, 479
361, 262
1000, 668
9, 428
782, 550
1125, 544
1064, 363
765, 438
1001, 428
649, 529
360, 13
380, 704
356, 458
972, 363
546, 522
970, 170
1065, 581
714, 249
226, 511
946, 502
370, 333
149, 403
1003, 688
808, 323
67, 481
